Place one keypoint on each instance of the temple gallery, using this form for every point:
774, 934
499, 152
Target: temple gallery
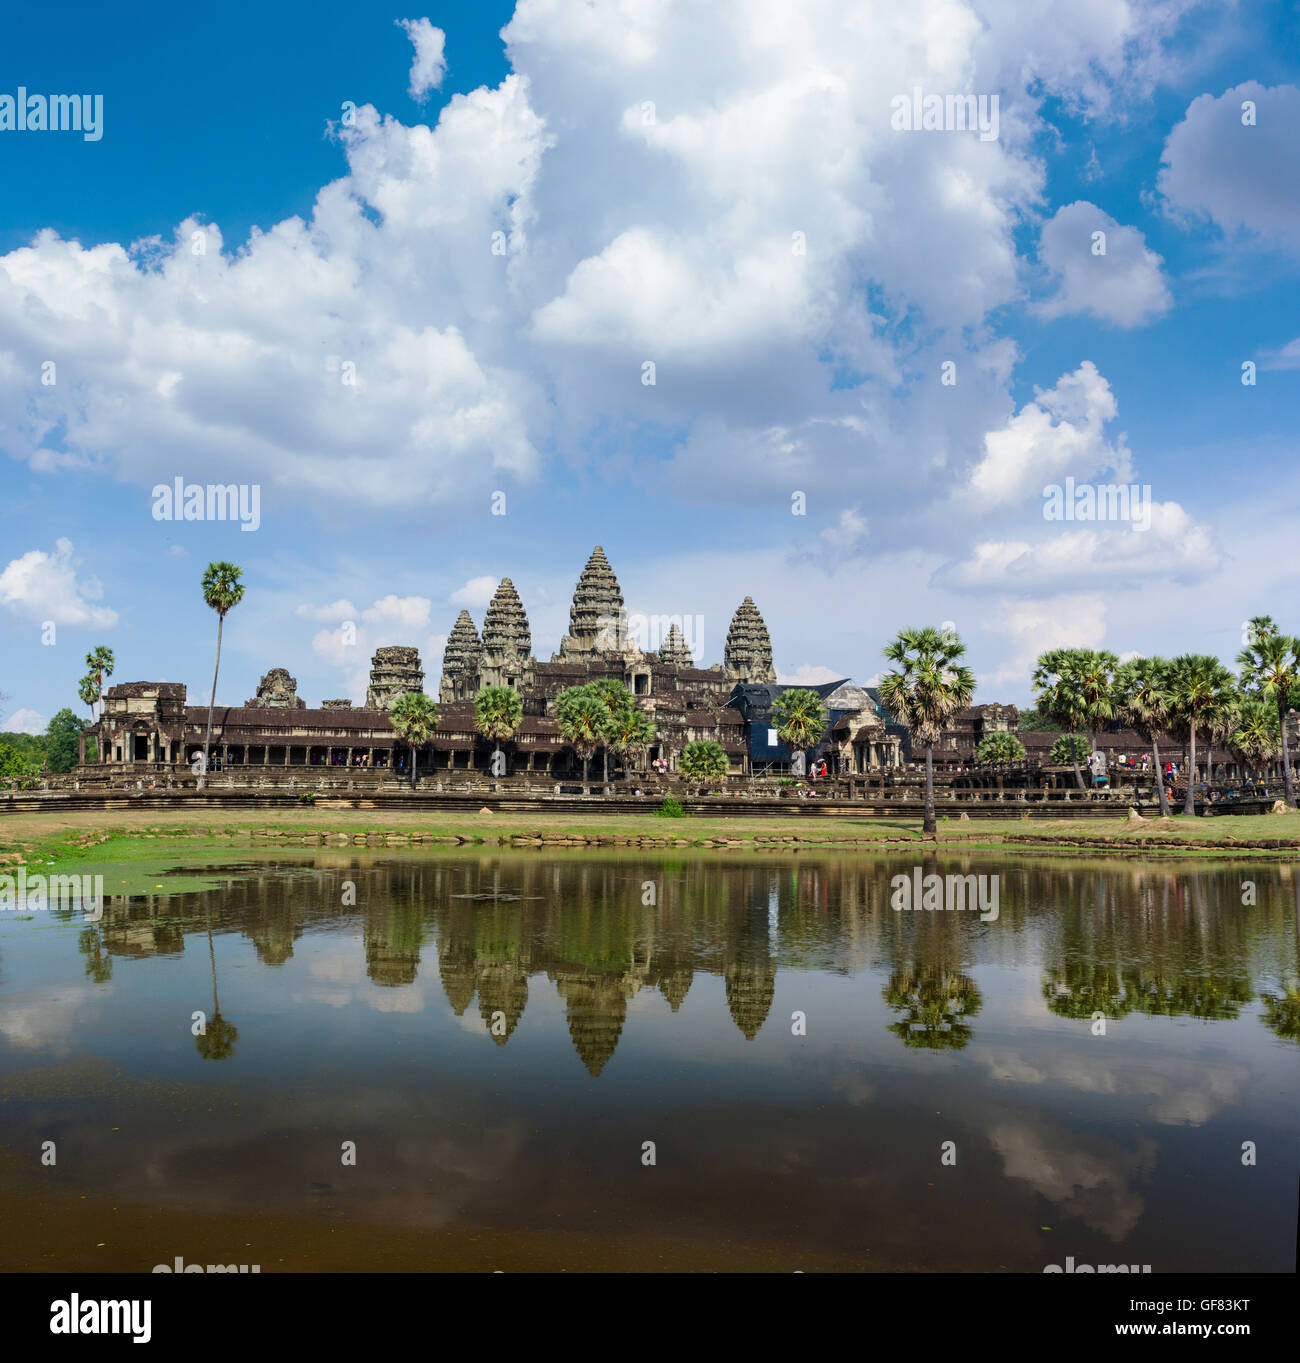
149, 728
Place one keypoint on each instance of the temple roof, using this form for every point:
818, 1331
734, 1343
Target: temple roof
505, 627
749, 646
464, 648
674, 649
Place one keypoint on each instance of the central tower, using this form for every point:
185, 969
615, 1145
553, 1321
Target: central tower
597, 617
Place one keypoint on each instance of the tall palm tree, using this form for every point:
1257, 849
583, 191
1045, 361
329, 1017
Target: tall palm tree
415, 717
1257, 737
1220, 725
99, 665
1270, 666
800, 718
616, 698
1096, 673
1200, 685
1143, 700
88, 693
629, 731
217, 1040
222, 591
581, 717
1059, 689
498, 713
929, 687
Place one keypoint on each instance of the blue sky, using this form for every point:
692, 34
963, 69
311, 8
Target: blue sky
335, 250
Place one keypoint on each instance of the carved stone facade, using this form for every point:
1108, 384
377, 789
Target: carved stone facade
277, 691
150, 722
506, 658
460, 661
394, 671
748, 654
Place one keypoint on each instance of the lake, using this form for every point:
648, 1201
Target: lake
505, 1060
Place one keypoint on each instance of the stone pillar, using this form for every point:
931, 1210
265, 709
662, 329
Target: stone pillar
81, 748
349, 759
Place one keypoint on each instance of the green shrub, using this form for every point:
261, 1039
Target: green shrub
308, 797
670, 809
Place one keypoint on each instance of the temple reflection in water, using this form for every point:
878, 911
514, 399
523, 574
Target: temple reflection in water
1108, 938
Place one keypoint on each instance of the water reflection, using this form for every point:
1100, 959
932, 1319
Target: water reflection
1115, 940
798, 1049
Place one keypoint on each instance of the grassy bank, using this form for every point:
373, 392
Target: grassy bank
120, 837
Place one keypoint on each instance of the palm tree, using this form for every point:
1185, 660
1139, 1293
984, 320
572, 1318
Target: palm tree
995, 749
703, 760
1270, 666
88, 694
1220, 725
99, 664
1143, 701
800, 718
616, 698
929, 687
581, 717
629, 731
1058, 686
217, 1040
1199, 687
498, 712
1096, 673
222, 591
415, 717
1256, 737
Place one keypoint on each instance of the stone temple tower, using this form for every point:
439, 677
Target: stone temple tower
460, 661
748, 654
674, 649
393, 671
506, 658
597, 618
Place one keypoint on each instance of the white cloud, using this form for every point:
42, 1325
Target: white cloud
335, 611
1059, 433
1288, 357
1124, 285
808, 675
478, 591
1172, 546
1245, 178
45, 586
399, 612
430, 64
1071, 620
26, 722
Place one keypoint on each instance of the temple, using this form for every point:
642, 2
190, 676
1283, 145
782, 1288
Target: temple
149, 727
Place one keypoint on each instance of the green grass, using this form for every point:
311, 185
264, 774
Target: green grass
119, 838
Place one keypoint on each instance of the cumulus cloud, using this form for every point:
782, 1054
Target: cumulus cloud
1172, 546
1123, 285
45, 586
26, 722
808, 675
1070, 620
622, 196
477, 591
1287, 357
430, 63
1060, 432
1244, 176
336, 610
